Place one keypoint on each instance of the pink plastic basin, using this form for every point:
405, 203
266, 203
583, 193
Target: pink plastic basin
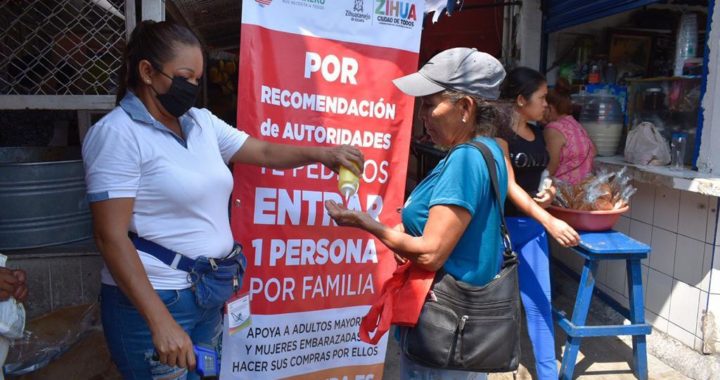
588, 220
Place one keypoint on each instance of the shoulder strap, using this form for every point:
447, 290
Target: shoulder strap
509, 256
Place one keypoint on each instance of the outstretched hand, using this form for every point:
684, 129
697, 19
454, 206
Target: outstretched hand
342, 215
343, 155
563, 233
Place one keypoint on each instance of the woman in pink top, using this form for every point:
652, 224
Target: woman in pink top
570, 148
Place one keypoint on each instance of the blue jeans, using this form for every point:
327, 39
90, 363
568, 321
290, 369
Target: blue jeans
410, 370
129, 339
529, 240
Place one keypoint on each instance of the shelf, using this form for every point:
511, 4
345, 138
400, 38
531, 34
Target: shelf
685, 180
665, 79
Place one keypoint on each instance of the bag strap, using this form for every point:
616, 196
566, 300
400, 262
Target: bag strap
380, 315
509, 257
171, 258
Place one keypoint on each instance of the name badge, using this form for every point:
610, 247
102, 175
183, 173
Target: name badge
238, 312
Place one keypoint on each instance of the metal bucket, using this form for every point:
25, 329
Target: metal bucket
42, 197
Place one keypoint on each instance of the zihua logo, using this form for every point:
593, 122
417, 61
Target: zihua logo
393, 12
358, 13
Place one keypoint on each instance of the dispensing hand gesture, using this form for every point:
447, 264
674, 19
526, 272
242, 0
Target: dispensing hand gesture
343, 155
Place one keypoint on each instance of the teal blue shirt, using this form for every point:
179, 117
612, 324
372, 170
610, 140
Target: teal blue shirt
462, 179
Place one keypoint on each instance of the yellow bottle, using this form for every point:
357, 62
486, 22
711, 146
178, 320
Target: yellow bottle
348, 182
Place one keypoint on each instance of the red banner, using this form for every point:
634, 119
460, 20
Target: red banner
311, 281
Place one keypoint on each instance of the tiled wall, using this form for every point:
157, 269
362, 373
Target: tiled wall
680, 227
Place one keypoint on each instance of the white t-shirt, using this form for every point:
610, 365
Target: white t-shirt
181, 188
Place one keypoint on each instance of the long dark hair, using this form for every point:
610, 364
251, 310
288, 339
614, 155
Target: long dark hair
521, 81
155, 42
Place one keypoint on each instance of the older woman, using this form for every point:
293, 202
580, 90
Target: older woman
450, 220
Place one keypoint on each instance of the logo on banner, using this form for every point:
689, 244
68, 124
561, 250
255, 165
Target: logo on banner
263, 3
358, 6
358, 14
396, 13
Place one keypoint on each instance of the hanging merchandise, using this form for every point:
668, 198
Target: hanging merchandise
686, 42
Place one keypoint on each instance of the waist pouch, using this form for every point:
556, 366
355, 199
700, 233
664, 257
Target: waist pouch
213, 280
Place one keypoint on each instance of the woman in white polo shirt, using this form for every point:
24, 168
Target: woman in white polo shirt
157, 168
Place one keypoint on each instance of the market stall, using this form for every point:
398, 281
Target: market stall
632, 65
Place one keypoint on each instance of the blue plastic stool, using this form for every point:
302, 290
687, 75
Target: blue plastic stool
606, 245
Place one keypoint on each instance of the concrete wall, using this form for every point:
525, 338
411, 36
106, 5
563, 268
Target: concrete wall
529, 33
59, 276
681, 278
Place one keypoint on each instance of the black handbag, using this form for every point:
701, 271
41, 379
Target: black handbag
467, 327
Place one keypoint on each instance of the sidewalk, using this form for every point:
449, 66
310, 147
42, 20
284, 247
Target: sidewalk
599, 358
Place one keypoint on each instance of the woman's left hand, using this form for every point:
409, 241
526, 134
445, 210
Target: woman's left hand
342, 216
545, 197
563, 233
343, 155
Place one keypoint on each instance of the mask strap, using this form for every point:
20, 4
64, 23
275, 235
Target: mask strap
157, 68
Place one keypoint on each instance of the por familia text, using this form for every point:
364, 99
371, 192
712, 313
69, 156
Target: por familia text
312, 287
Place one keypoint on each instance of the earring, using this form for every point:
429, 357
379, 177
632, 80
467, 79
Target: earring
464, 120
522, 104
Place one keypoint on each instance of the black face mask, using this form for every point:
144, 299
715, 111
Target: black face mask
179, 97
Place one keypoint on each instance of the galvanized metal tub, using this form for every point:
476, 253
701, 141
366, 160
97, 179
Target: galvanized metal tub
42, 197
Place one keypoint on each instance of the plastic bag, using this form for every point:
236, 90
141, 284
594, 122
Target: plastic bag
12, 314
605, 190
44, 342
646, 146
12, 322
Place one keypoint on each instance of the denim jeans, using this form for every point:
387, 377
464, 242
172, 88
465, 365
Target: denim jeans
129, 339
530, 242
410, 370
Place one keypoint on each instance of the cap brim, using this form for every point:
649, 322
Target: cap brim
417, 85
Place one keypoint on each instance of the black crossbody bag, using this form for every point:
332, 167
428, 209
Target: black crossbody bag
467, 327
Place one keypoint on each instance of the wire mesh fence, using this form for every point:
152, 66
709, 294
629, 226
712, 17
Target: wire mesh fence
60, 47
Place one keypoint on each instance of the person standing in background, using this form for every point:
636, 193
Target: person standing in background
570, 148
524, 147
